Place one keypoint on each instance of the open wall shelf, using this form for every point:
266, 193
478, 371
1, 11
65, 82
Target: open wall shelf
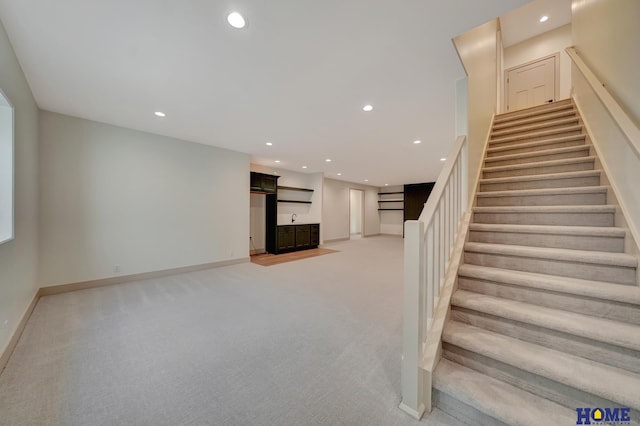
293, 188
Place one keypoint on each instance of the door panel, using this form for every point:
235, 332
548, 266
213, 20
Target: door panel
532, 84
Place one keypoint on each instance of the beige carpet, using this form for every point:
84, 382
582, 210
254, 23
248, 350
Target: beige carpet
312, 342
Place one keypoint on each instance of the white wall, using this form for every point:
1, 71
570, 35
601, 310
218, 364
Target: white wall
606, 35
19, 257
113, 196
546, 44
477, 49
257, 227
461, 107
355, 210
335, 210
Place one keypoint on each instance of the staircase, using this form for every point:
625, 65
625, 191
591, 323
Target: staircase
546, 317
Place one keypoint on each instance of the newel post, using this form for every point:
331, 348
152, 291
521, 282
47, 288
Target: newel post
413, 320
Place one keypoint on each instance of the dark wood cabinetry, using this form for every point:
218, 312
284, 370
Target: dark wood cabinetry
297, 237
261, 182
284, 238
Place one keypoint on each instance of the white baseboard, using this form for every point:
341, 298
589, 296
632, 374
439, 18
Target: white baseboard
15, 337
335, 240
64, 288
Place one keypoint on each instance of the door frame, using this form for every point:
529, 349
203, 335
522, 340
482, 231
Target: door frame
556, 84
362, 209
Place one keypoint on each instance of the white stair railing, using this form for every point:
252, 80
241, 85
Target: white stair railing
428, 243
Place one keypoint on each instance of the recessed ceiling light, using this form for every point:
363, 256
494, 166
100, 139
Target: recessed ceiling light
367, 108
366, 180
417, 142
236, 20
386, 184
545, 18
328, 160
277, 161
160, 114
268, 144
339, 174
304, 167
443, 159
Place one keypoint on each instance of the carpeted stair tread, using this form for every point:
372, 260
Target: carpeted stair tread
547, 176
538, 164
610, 383
572, 286
539, 134
567, 255
535, 126
596, 231
533, 111
599, 329
544, 191
607, 208
497, 399
537, 143
552, 151
565, 112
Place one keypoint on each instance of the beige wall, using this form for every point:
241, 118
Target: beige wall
335, 210
606, 35
477, 49
19, 257
549, 43
113, 196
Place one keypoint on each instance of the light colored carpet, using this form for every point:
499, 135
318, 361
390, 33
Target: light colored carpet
312, 342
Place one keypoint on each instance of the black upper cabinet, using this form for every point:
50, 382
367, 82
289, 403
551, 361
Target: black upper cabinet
261, 182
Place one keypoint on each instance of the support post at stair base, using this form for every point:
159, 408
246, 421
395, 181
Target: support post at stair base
412, 377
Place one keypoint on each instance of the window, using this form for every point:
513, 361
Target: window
6, 169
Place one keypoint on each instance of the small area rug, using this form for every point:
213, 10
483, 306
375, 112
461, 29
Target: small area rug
275, 259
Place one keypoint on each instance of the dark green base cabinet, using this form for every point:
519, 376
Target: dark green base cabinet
297, 237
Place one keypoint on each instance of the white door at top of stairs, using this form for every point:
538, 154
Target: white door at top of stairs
531, 84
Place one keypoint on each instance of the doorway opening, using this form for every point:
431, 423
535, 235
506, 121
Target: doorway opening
356, 213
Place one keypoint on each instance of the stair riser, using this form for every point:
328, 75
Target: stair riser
612, 310
562, 219
586, 348
541, 184
568, 113
520, 150
585, 271
575, 242
461, 411
599, 198
515, 140
558, 392
534, 127
541, 170
541, 156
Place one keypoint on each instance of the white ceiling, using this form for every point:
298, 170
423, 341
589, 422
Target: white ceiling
297, 75
523, 23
